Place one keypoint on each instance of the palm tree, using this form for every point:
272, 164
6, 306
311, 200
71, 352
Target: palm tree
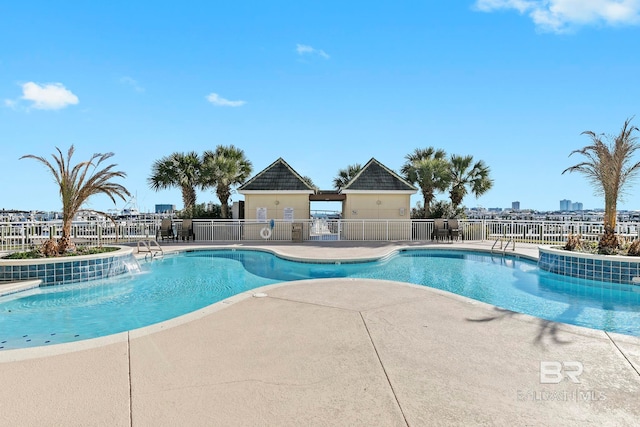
309, 181
608, 166
429, 169
224, 168
346, 175
465, 178
177, 170
77, 184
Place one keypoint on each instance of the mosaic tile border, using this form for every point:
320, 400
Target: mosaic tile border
604, 268
60, 271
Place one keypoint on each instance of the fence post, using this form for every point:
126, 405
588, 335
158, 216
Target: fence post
483, 234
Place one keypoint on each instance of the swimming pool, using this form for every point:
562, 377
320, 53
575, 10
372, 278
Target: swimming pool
185, 282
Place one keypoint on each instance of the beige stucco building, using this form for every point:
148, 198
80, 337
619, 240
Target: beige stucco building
377, 193
280, 194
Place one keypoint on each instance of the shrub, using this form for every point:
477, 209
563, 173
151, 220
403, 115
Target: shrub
634, 248
38, 252
574, 242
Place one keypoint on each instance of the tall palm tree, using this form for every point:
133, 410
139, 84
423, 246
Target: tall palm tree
346, 175
224, 168
609, 167
177, 170
467, 176
77, 184
429, 169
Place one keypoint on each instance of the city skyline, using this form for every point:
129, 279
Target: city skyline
323, 86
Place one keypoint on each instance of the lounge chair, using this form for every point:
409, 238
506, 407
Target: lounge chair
187, 230
166, 230
454, 229
440, 229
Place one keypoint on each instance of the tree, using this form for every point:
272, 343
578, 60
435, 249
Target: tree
346, 175
201, 210
439, 209
609, 167
444, 209
309, 181
224, 168
177, 170
465, 178
429, 169
77, 184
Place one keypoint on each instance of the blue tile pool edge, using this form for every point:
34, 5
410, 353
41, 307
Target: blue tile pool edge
64, 270
603, 268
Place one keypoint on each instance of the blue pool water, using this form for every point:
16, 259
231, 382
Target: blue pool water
185, 282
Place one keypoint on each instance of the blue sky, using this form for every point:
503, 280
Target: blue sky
321, 84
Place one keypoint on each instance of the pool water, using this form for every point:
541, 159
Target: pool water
182, 283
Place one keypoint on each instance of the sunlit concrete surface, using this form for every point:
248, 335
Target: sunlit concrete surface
332, 352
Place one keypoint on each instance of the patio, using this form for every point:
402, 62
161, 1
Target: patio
331, 352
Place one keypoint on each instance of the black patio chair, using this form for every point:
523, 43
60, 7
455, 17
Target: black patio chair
166, 230
440, 231
454, 229
187, 230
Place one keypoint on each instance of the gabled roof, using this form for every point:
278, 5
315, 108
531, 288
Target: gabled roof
374, 176
278, 176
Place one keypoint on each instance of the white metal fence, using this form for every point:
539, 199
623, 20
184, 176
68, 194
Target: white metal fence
24, 235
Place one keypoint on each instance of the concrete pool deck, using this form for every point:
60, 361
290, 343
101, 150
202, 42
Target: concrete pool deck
332, 352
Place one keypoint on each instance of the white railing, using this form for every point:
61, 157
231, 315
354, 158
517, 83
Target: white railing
24, 235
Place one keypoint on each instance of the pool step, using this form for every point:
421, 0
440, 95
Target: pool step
7, 288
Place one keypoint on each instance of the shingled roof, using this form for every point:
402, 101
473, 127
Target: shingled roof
278, 176
375, 176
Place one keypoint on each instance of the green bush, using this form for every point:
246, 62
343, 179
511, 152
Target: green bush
201, 211
35, 253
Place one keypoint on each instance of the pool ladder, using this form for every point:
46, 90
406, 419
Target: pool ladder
504, 250
151, 246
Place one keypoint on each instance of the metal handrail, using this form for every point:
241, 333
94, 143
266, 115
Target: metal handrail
513, 244
504, 249
151, 246
499, 239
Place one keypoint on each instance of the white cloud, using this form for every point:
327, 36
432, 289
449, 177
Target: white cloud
562, 15
303, 49
131, 82
216, 99
48, 96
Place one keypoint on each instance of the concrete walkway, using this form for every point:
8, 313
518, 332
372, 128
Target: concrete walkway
332, 352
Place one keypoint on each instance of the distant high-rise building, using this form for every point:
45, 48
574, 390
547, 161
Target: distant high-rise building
515, 206
576, 206
565, 205
165, 208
